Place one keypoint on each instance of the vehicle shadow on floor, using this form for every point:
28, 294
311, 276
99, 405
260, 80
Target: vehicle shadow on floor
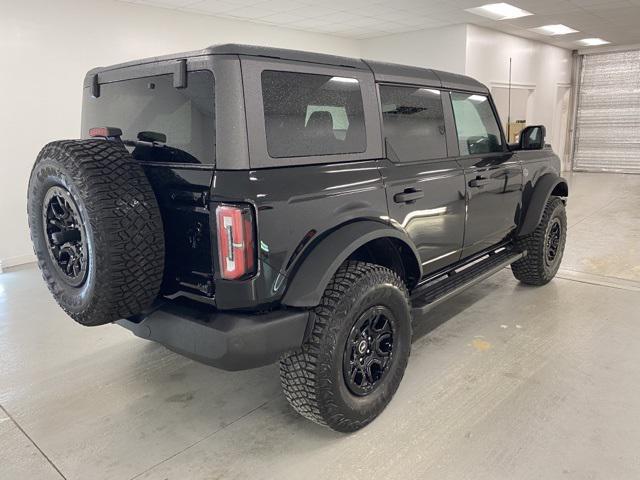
426, 323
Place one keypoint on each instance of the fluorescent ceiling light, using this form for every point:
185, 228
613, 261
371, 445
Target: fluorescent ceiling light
558, 29
499, 11
592, 42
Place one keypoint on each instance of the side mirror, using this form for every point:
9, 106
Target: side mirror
532, 137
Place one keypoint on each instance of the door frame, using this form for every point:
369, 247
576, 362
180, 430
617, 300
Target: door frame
465, 160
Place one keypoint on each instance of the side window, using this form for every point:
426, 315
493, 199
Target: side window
308, 114
478, 130
413, 122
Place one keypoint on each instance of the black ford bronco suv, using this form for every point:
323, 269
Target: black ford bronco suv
241, 205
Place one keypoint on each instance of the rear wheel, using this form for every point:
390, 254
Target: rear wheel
545, 246
350, 367
96, 230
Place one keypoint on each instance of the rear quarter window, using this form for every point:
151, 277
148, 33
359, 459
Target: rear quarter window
309, 114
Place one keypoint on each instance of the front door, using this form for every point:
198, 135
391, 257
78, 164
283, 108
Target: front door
493, 175
425, 188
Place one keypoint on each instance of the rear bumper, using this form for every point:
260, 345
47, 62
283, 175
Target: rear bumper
226, 340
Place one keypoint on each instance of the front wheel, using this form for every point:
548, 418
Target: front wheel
349, 369
545, 246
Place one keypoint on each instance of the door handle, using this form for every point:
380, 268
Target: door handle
479, 182
409, 195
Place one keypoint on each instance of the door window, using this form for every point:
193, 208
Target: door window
309, 114
413, 122
478, 130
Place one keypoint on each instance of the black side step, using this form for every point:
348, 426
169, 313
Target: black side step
462, 277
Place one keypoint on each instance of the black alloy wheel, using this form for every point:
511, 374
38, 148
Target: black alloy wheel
552, 243
65, 235
369, 350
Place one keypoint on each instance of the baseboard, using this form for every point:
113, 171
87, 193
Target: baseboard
9, 262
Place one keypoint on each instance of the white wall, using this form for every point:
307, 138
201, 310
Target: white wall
440, 48
538, 65
47, 46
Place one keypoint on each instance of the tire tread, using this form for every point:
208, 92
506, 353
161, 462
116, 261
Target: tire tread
300, 370
531, 269
126, 223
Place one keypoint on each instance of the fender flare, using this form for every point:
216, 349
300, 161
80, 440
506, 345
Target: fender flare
306, 287
538, 199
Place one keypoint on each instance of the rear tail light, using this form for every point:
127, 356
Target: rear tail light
236, 243
105, 132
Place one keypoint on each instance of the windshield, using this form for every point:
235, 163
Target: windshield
161, 123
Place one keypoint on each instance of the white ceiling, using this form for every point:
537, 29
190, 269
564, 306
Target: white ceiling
617, 21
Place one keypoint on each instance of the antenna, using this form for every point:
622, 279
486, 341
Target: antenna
509, 106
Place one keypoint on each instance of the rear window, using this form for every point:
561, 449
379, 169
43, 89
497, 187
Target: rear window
149, 109
309, 114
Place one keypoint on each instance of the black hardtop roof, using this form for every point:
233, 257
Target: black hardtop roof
383, 72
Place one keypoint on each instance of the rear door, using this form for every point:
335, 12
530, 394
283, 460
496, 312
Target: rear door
493, 174
425, 188
170, 130
314, 147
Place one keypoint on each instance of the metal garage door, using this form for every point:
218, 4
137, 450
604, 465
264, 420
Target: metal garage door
608, 114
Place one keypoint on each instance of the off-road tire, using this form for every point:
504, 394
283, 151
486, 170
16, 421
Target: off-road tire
534, 268
121, 218
312, 377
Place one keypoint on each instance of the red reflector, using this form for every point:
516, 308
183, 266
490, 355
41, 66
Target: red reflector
105, 132
236, 246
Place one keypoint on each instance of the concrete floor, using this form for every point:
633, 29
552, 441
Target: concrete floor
505, 382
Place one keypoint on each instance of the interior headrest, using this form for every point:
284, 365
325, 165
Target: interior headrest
320, 120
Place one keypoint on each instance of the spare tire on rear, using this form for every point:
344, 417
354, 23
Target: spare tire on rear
96, 230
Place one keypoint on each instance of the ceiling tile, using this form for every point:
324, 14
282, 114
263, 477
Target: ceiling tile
165, 3
548, 7
282, 18
244, 3
312, 22
312, 11
252, 11
329, 28
210, 7
531, 21
461, 17
284, 5
378, 10
346, 4
605, 6
591, 3
341, 17
613, 20
623, 15
365, 22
